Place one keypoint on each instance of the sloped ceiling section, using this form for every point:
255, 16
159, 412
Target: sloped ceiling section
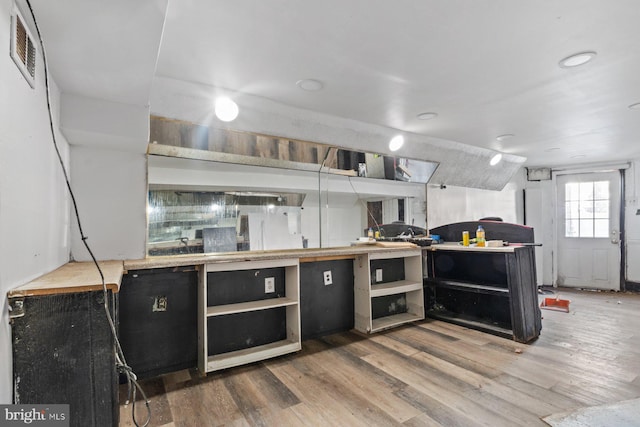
103, 57
460, 164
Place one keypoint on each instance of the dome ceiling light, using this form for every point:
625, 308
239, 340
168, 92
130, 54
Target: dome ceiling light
396, 142
427, 116
226, 110
310, 85
577, 59
504, 137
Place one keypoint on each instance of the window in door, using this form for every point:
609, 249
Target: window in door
587, 209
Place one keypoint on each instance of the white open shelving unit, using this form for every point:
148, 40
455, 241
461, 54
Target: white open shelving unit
365, 289
291, 300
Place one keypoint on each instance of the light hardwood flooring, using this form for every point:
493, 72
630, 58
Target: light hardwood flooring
427, 374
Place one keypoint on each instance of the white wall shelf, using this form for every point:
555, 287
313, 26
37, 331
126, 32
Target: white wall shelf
366, 289
289, 301
244, 307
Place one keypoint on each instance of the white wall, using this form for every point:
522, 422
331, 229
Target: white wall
540, 215
632, 222
111, 191
34, 210
456, 204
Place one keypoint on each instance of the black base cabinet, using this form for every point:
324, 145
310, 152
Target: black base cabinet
158, 325
492, 290
326, 309
63, 353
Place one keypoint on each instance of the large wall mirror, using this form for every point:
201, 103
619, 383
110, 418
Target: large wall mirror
213, 190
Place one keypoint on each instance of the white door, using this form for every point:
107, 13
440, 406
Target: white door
588, 230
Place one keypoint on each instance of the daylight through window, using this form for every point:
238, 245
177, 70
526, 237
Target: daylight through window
587, 209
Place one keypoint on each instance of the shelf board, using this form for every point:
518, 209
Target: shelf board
471, 287
252, 354
393, 320
471, 322
406, 253
392, 288
243, 307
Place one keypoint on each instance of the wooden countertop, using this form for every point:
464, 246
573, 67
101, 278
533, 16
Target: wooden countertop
84, 277
73, 277
305, 255
472, 248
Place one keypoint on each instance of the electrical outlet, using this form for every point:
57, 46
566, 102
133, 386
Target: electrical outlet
160, 303
328, 280
269, 285
379, 275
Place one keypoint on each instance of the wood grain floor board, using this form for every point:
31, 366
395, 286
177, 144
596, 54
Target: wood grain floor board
422, 420
504, 361
455, 332
159, 404
394, 345
578, 367
329, 377
429, 373
316, 397
444, 389
513, 397
373, 388
534, 392
440, 412
203, 399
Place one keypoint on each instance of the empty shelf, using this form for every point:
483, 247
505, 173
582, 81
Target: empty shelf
252, 354
243, 307
393, 320
472, 287
391, 288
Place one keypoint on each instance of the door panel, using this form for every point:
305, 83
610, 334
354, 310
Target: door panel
588, 212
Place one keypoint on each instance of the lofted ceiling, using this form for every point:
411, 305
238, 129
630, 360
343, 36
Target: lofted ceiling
486, 67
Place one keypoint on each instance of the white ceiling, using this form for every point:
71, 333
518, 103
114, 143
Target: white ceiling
487, 67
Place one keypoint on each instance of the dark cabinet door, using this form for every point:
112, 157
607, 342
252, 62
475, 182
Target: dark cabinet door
325, 309
158, 320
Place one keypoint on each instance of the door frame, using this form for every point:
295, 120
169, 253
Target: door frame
621, 168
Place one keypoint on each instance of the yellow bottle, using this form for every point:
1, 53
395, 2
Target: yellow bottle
480, 239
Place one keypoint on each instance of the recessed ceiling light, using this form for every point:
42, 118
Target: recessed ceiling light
504, 137
635, 106
427, 116
226, 109
310, 85
396, 142
577, 59
495, 159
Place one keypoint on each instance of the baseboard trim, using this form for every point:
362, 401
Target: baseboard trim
632, 286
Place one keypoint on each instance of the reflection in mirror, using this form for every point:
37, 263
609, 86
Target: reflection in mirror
188, 140
203, 221
218, 190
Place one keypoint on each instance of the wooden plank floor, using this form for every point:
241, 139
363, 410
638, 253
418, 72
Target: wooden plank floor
427, 374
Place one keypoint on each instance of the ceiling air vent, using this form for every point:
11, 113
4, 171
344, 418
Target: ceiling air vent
23, 50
